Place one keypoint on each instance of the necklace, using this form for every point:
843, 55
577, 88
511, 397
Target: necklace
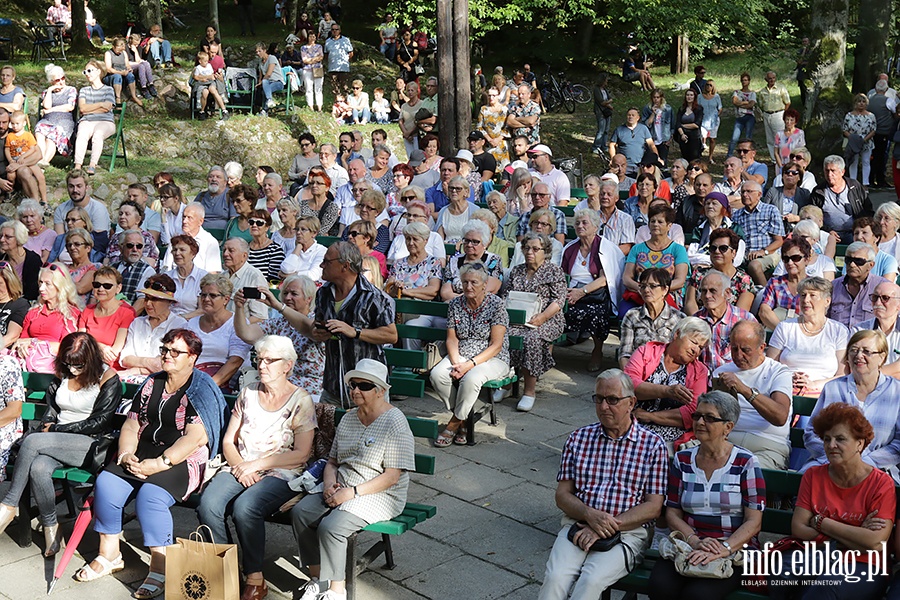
584, 256
808, 331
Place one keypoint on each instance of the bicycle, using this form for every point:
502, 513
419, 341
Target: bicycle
557, 92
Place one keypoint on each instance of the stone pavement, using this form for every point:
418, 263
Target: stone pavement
491, 537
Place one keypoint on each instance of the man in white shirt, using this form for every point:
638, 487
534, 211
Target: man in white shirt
244, 275
328, 160
764, 390
541, 157
208, 257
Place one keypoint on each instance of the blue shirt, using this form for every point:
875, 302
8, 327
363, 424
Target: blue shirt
631, 142
884, 263
758, 168
759, 225
435, 195
338, 51
632, 209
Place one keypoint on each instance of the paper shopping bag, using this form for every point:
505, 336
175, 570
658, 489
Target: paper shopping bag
196, 570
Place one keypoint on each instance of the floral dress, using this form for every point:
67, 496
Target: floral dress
492, 263
309, 368
786, 143
11, 390
862, 125
549, 283
58, 127
418, 275
493, 123
662, 377
385, 183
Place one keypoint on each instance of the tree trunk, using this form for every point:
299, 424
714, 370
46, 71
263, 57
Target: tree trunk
829, 98
80, 42
462, 70
150, 13
870, 55
680, 55
585, 37
214, 15
446, 80
292, 10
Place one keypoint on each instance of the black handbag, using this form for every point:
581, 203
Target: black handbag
101, 453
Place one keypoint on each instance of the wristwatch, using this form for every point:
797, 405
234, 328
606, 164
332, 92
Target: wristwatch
727, 545
355, 492
358, 333
753, 395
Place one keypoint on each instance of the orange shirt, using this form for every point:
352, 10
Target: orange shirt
19, 143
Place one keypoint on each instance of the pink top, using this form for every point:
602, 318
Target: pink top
42, 324
105, 329
42, 241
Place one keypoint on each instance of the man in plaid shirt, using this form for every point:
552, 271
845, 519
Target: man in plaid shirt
612, 479
763, 231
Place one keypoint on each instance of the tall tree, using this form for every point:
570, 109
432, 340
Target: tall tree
871, 51
150, 13
80, 42
214, 15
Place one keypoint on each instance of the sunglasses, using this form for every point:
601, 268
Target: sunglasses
610, 400
75, 220
797, 157
412, 197
106, 286
794, 258
743, 150
73, 367
363, 386
696, 416
163, 351
537, 195
132, 246
158, 286
722, 249
63, 78
353, 234
257, 222
456, 188
696, 169
791, 172
4, 265
52, 266
855, 260
884, 299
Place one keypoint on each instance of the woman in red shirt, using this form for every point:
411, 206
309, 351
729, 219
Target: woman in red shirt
109, 318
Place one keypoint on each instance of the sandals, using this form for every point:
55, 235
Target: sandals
445, 439
461, 437
86, 573
151, 590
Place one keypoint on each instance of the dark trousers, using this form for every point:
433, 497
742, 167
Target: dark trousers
245, 15
879, 160
667, 584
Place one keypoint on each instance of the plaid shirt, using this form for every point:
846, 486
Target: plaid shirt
638, 328
522, 227
716, 508
718, 351
133, 277
759, 225
777, 294
614, 475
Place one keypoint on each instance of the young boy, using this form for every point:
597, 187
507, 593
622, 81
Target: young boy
381, 109
22, 152
205, 85
341, 111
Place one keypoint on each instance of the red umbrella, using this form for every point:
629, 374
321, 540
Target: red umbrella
81, 525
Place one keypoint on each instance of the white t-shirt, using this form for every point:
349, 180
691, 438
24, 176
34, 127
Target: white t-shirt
221, 344
814, 355
75, 406
769, 377
822, 265
308, 262
201, 71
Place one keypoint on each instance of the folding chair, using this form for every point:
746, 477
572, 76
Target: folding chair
286, 74
6, 39
43, 42
240, 85
119, 112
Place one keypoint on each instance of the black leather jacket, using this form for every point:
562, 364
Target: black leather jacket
101, 419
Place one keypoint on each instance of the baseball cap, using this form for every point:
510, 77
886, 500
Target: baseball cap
541, 148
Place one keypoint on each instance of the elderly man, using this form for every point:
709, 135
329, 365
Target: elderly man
424, 177
407, 122
541, 159
867, 231
851, 294
157, 50
244, 275
137, 192
886, 306
192, 219
751, 170
885, 110
721, 316
763, 231
618, 166
338, 54
436, 196
354, 318
615, 225
214, 200
540, 198
764, 388
356, 171
731, 183
524, 117
632, 139
79, 191
773, 100
612, 478
328, 160
690, 213
841, 199
132, 266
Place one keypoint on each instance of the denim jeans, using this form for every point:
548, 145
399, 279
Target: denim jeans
389, 50
269, 86
95, 29
161, 51
600, 139
363, 115
248, 508
743, 129
116, 79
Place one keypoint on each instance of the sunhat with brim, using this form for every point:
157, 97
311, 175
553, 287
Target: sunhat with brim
369, 370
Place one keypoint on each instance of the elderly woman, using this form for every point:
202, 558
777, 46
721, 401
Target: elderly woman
79, 244
594, 266
140, 355
888, 216
811, 345
540, 276
234, 173
781, 297
131, 216
477, 350
54, 317
13, 307
507, 223
96, 102
397, 205
40, 237
873, 393
265, 254
321, 203
658, 251
172, 202
654, 321
185, 274
416, 275
417, 212
272, 192
723, 248
109, 318
288, 213
718, 215
668, 379
306, 258
370, 205
243, 199
678, 182
638, 207
820, 264
848, 502
26, 264
715, 524
860, 123
266, 446
381, 172
54, 131
501, 248
518, 194
541, 222
450, 220
365, 482
474, 250
362, 235
223, 351
174, 426
81, 402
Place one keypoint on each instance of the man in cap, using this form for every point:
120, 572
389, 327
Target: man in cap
424, 177
542, 166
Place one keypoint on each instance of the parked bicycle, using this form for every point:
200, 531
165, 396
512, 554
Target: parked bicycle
559, 91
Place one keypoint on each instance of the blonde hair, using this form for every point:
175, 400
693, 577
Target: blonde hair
67, 295
372, 271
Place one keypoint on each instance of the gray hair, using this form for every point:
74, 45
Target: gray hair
307, 286
834, 159
330, 147
19, 229
496, 194
243, 244
480, 270
692, 326
196, 207
802, 150
606, 183
274, 177
592, 215
479, 227
591, 177
278, 345
749, 184
459, 180
234, 170
808, 227
543, 239
857, 246
84, 234
289, 204
379, 148
348, 255
417, 190
128, 232
881, 85
215, 168
815, 284
891, 209
682, 163
28, 205
726, 404
619, 375
220, 280
416, 229
724, 279
488, 217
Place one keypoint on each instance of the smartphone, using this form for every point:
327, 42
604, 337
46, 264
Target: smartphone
252, 293
319, 325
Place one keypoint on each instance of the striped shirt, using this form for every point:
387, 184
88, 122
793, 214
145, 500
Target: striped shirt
268, 260
95, 96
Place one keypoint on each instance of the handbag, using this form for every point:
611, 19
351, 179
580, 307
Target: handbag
101, 452
419, 69
318, 72
39, 358
676, 548
601, 545
197, 569
527, 301
433, 355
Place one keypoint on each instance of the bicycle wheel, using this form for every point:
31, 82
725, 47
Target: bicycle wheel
567, 100
551, 98
581, 93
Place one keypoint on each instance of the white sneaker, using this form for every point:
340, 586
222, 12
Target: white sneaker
500, 393
311, 590
270, 103
525, 404
332, 595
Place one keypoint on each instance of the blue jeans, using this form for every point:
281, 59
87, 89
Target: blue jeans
161, 51
116, 79
248, 508
152, 504
600, 141
271, 86
743, 124
389, 50
95, 29
363, 115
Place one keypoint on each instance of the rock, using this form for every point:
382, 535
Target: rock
130, 178
101, 192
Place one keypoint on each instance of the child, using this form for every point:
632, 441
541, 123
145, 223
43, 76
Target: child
205, 85
341, 111
381, 109
22, 152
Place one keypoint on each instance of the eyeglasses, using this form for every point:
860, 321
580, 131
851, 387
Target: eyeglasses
880, 297
854, 351
527, 249
63, 78
856, 260
133, 246
89, 70
793, 258
412, 216
363, 386
163, 351
267, 361
210, 295
106, 286
721, 249
471, 242
649, 286
791, 172
539, 195
455, 188
696, 416
305, 144
257, 222
75, 244
74, 220
610, 400
797, 157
